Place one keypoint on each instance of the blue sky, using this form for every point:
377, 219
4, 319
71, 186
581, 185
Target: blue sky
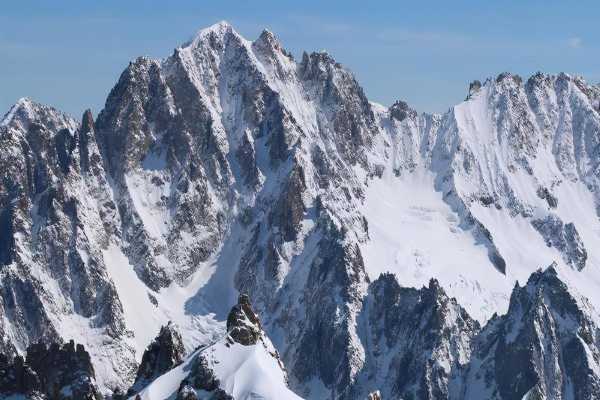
70, 53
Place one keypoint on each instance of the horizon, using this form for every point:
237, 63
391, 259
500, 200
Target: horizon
416, 59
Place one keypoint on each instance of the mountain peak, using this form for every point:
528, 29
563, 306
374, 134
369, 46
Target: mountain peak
268, 39
219, 30
221, 26
22, 103
25, 110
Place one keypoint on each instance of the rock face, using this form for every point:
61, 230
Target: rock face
57, 215
418, 340
229, 167
546, 346
53, 373
243, 325
163, 354
563, 237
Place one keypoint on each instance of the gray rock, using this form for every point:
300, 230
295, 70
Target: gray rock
541, 346
163, 354
243, 325
53, 373
564, 237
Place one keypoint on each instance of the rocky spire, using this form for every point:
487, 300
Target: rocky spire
400, 110
85, 131
474, 87
243, 327
422, 335
243, 324
163, 354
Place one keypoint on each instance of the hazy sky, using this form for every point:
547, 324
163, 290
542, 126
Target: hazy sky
70, 53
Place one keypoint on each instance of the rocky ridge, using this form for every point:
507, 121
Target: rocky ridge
57, 372
230, 167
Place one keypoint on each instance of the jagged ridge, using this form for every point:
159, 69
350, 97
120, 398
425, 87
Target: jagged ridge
229, 167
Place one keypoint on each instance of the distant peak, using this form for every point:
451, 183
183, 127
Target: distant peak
318, 58
400, 110
268, 42
218, 27
474, 88
220, 30
25, 110
506, 76
267, 33
267, 37
24, 103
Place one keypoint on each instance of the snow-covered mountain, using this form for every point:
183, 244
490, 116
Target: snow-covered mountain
379, 246
241, 365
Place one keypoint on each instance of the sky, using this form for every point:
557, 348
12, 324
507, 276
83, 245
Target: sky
69, 54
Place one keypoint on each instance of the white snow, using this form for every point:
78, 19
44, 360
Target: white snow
148, 201
141, 316
415, 235
245, 372
145, 319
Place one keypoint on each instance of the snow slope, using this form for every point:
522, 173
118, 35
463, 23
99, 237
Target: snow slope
415, 235
245, 372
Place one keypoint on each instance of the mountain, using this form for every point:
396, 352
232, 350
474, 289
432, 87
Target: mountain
243, 364
379, 246
545, 347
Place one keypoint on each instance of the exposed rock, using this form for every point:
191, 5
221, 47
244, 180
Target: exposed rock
544, 193
86, 133
547, 345
56, 266
418, 340
564, 237
186, 392
400, 110
17, 377
162, 355
53, 373
230, 153
474, 87
243, 325
335, 286
289, 209
244, 329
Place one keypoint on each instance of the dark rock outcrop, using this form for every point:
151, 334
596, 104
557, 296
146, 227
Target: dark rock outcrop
334, 287
563, 237
474, 87
419, 339
400, 110
243, 325
163, 354
186, 392
545, 194
547, 346
57, 372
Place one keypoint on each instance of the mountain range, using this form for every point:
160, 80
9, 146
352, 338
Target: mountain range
239, 224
